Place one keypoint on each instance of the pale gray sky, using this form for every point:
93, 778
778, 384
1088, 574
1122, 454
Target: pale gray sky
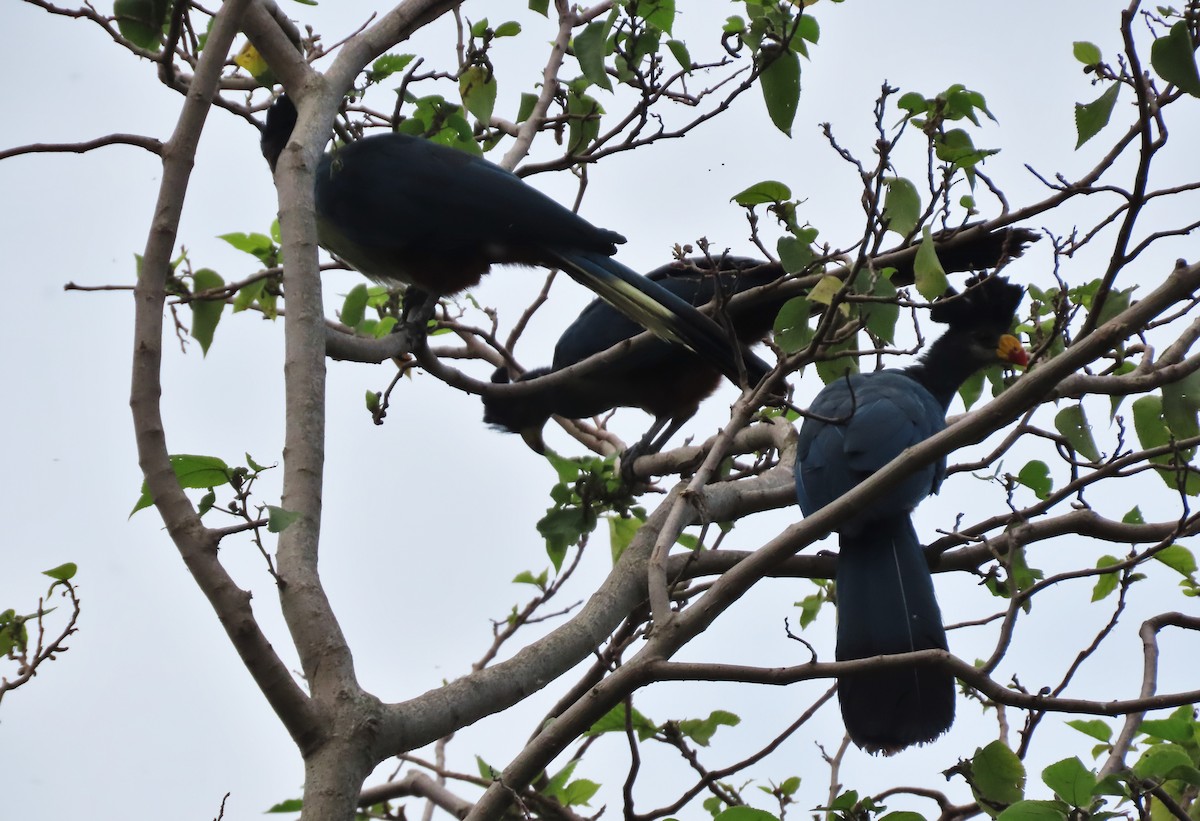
150, 714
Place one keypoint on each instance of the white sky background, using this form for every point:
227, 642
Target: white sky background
427, 518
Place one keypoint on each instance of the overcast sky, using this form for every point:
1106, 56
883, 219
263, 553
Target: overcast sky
427, 518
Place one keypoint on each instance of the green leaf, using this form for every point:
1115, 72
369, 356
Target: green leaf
64, 572
579, 792
291, 805
614, 722
554, 787
387, 65
13, 632
1109, 785
528, 101
1091, 118
1072, 423
526, 577
141, 21
1115, 303
1093, 727
562, 528
508, 29
1034, 811
809, 29
206, 503
956, 147
583, 121
1186, 773
256, 245
836, 367
1152, 432
1106, 583
763, 192
794, 254
384, 327
658, 13
825, 290
1169, 729
354, 306
792, 332
190, 472
590, 48
679, 51
539, 6
621, 530
486, 770
930, 276
1021, 574
880, 317
902, 816
1148, 422
901, 206
1174, 58
1134, 516
810, 606
913, 103
844, 801
1086, 53
278, 519
248, 294
477, 87
568, 470
963, 102
702, 730
1071, 781
206, 313
998, 774
1178, 558
971, 389
745, 814
1181, 406
1036, 476
780, 81
1159, 760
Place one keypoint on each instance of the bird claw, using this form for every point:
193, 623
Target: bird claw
625, 468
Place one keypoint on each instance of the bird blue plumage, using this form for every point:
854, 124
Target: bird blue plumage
405, 210
885, 596
664, 380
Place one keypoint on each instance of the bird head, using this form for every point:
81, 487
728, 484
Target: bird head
981, 318
514, 415
281, 120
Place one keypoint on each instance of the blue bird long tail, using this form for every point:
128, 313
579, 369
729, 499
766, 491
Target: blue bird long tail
886, 605
663, 313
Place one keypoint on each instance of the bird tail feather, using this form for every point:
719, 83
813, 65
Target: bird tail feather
663, 313
887, 605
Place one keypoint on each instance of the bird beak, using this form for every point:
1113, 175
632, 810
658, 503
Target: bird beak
1009, 349
533, 438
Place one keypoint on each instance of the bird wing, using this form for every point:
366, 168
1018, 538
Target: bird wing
392, 190
866, 421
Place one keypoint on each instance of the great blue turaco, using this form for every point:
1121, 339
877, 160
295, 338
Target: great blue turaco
404, 210
885, 594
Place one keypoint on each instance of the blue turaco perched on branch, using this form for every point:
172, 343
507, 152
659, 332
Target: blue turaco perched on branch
663, 380
885, 596
400, 209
